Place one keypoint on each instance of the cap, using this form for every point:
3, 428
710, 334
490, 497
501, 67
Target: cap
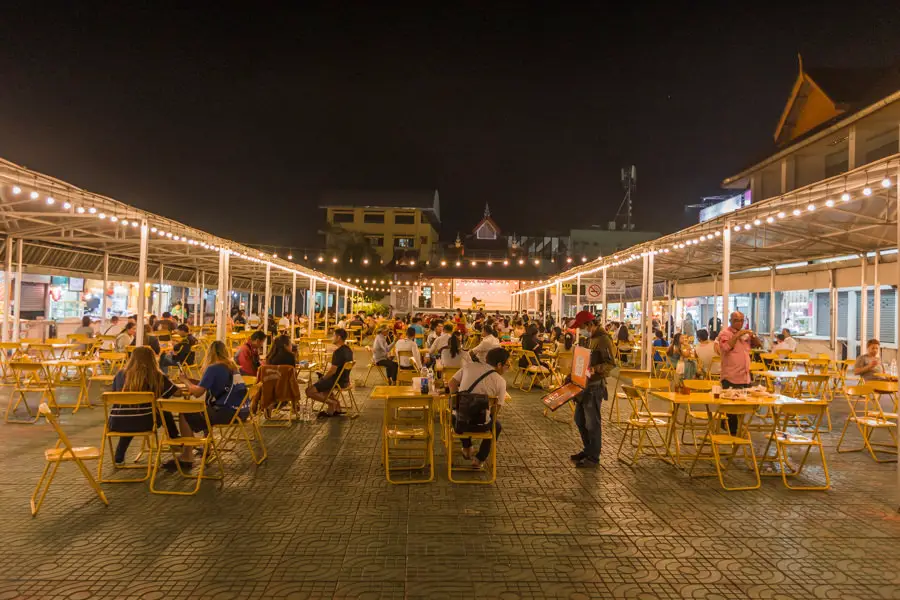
583, 317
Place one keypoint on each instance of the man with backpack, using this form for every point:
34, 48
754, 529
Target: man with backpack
475, 384
587, 403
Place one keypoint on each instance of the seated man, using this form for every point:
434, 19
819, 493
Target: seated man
248, 354
481, 378
181, 354
319, 390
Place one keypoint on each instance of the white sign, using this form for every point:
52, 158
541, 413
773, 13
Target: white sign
594, 291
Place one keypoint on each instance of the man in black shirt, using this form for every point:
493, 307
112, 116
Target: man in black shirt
319, 390
714, 327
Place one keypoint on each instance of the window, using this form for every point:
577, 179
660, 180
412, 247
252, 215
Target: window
342, 217
372, 217
405, 219
376, 241
423, 240
404, 242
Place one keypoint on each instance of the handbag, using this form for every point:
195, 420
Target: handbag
471, 409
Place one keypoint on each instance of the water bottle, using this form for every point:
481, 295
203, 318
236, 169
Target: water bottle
894, 367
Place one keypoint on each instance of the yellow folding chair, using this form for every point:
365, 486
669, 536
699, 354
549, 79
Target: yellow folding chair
695, 420
814, 386
533, 371
866, 414
407, 437
29, 378
618, 395
382, 371
110, 364
644, 422
740, 442
173, 446
130, 402
451, 436
889, 389
786, 441
62, 452
244, 425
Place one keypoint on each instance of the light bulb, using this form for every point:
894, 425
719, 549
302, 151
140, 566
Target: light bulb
811, 207
51, 200
365, 261
443, 263
505, 262
80, 210
473, 263
114, 218
829, 203
320, 259
537, 261
290, 257
92, 210
34, 195
274, 255
334, 259
867, 191
737, 228
16, 190
102, 216
458, 263
781, 215
886, 182
747, 227
757, 222
490, 263
845, 197
521, 261
67, 205
770, 219
796, 212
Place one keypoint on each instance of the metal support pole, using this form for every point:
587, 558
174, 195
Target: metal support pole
18, 314
311, 308
863, 305
222, 296
578, 294
644, 319
198, 318
558, 302
103, 301
604, 315
7, 287
142, 283
325, 308
648, 336
876, 297
293, 302
772, 330
265, 318
726, 275
833, 314
159, 300
544, 312
250, 302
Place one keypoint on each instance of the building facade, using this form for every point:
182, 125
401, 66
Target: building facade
396, 226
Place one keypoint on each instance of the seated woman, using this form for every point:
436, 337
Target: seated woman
452, 355
141, 374
531, 341
408, 344
281, 352
381, 354
660, 342
224, 390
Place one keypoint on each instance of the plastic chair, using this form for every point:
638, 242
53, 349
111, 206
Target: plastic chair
63, 452
173, 445
133, 400
407, 435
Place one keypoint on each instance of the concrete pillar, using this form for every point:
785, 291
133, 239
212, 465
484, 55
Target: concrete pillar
222, 299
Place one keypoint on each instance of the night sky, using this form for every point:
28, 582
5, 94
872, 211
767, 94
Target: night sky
236, 122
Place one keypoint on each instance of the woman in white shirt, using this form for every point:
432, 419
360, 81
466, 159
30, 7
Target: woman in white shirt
452, 355
488, 342
381, 351
408, 345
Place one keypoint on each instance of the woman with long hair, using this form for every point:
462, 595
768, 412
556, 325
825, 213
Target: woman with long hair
452, 355
141, 374
222, 387
281, 352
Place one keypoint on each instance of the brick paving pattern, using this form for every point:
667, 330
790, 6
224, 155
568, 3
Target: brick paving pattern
318, 520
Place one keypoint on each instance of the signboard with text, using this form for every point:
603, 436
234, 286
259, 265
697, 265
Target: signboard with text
594, 291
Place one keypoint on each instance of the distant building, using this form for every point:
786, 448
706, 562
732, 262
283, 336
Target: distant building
397, 225
595, 242
834, 121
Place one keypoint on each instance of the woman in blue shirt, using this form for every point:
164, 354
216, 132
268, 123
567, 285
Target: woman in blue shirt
224, 390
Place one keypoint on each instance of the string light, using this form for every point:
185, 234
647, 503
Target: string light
886, 182
51, 200
16, 190
845, 197
34, 195
867, 191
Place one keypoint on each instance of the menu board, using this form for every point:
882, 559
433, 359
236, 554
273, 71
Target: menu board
561, 395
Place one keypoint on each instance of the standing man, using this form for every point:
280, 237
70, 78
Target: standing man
735, 343
587, 403
715, 326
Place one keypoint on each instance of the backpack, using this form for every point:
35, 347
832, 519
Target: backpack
472, 409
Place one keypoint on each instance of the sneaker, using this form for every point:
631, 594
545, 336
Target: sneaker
586, 463
577, 457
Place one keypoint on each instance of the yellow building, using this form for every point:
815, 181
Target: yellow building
399, 225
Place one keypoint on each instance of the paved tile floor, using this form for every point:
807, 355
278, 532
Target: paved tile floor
318, 520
